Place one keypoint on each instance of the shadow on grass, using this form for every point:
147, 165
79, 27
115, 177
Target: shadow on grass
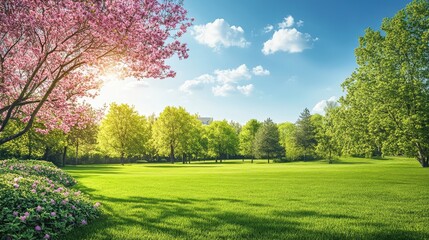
350, 162
189, 218
179, 166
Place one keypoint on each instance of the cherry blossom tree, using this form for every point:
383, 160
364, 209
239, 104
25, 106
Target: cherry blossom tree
52, 52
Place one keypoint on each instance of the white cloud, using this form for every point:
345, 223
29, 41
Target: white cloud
268, 28
198, 83
320, 106
288, 40
225, 81
222, 90
133, 83
287, 22
219, 34
260, 71
246, 89
233, 75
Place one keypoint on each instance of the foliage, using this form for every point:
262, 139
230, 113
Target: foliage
51, 53
175, 131
247, 138
326, 136
123, 132
222, 140
267, 142
36, 205
305, 134
388, 92
287, 138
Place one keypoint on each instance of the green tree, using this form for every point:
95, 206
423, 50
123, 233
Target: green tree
305, 133
287, 134
267, 141
327, 144
247, 138
123, 132
222, 140
390, 87
173, 132
82, 137
196, 143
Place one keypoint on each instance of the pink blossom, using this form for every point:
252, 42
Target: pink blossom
15, 213
53, 201
53, 214
97, 204
144, 37
38, 228
23, 218
73, 207
39, 208
47, 236
83, 222
77, 193
16, 185
26, 214
33, 190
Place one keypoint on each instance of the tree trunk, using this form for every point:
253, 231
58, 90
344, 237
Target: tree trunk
183, 159
64, 156
46, 154
77, 152
172, 153
424, 161
423, 157
122, 158
30, 146
252, 158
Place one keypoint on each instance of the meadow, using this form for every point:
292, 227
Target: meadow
351, 199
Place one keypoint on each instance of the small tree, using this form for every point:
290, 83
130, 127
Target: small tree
305, 133
173, 132
327, 144
287, 133
247, 138
222, 139
267, 141
123, 132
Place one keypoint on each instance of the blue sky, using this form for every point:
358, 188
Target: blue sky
258, 58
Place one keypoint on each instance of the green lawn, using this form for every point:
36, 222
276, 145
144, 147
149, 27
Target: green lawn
352, 199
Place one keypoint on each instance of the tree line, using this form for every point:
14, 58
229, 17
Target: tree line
175, 135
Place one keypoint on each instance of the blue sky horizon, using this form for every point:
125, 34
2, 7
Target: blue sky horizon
258, 59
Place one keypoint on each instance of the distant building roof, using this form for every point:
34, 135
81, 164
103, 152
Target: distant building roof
205, 120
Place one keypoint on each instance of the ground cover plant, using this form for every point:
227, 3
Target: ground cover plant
352, 198
36, 203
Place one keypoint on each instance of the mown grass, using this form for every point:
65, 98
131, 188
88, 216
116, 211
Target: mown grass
351, 199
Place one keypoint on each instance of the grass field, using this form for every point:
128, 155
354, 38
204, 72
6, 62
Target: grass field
352, 199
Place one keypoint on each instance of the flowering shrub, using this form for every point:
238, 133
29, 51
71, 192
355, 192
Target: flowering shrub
39, 168
36, 207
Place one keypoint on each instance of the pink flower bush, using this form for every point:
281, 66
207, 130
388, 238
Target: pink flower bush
37, 213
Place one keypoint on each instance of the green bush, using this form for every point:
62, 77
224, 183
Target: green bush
39, 168
33, 206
